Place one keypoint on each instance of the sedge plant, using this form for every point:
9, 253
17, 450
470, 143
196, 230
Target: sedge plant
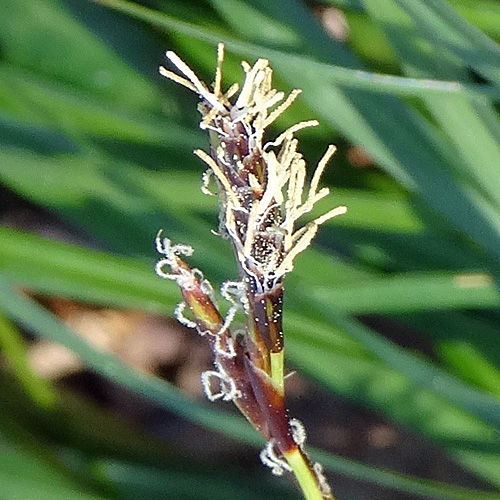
262, 194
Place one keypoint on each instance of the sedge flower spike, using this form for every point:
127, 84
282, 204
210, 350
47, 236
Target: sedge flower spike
262, 192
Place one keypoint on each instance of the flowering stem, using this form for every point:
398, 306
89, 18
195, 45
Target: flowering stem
261, 197
306, 477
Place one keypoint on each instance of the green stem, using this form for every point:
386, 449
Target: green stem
307, 479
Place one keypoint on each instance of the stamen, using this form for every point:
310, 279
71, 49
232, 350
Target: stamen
218, 172
231, 91
254, 74
321, 167
341, 210
281, 108
200, 87
287, 265
218, 71
176, 78
217, 130
290, 131
272, 99
212, 114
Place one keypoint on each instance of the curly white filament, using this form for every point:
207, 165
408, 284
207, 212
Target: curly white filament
179, 316
326, 491
227, 387
298, 431
269, 458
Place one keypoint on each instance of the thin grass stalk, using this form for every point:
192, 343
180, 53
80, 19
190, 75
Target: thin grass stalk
262, 194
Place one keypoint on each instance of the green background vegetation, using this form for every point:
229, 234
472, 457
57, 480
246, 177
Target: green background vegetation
91, 133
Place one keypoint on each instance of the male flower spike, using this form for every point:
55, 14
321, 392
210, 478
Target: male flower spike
262, 194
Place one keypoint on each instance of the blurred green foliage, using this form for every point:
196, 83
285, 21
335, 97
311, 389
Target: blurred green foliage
90, 132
